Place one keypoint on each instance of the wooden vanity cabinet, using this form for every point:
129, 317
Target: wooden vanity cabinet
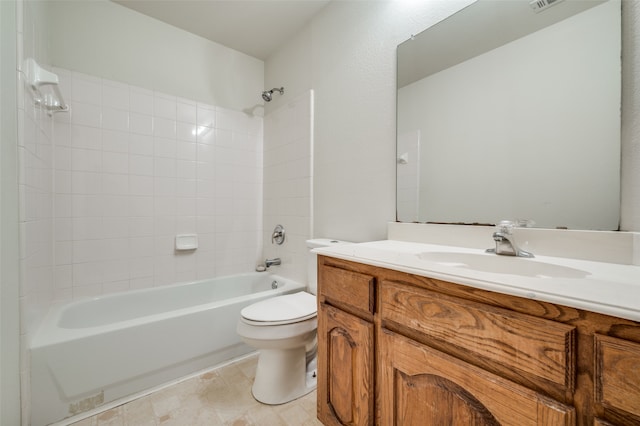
400, 349
345, 347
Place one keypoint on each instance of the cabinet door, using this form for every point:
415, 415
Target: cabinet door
422, 386
345, 368
617, 378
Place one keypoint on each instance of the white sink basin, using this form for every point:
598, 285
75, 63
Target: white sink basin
497, 264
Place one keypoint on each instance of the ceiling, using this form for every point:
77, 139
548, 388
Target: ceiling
254, 27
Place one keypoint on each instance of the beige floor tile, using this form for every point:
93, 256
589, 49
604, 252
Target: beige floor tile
220, 397
111, 417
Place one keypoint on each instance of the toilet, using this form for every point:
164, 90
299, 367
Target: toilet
284, 330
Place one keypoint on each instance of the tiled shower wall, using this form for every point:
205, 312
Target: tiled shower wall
35, 190
288, 180
134, 168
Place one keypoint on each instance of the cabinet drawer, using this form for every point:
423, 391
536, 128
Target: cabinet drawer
536, 346
617, 378
347, 289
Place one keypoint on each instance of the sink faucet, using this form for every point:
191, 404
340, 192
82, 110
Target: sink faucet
505, 243
271, 262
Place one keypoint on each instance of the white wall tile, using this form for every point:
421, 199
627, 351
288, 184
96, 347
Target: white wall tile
141, 165
115, 95
86, 160
115, 119
86, 182
115, 141
84, 137
206, 116
164, 127
115, 162
115, 184
85, 114
140, 206
134, 167
186, 131
140, 144
164, 186
164, 147
186, 150
141, 101
186, 187
141, 124
141, 226
141, 185
164, 106
186, 169
88, 91
186, 111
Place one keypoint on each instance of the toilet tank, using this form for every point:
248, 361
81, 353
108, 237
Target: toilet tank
312, 260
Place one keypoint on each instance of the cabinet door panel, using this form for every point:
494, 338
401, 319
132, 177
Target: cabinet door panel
420, 385
618, 374
345, 366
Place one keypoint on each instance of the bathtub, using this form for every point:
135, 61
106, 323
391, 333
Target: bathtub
92, 352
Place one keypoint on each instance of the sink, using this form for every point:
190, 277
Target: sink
497, 264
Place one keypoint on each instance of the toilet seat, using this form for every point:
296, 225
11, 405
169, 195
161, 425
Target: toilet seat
286, 309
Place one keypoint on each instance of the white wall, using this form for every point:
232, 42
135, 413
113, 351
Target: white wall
107, 40
347, 55
35, 188
9, 238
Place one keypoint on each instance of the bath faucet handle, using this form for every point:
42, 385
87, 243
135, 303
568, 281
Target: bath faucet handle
277, 237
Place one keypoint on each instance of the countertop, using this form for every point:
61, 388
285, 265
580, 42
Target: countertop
607, 288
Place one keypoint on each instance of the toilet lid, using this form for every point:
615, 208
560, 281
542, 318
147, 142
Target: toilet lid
282, 309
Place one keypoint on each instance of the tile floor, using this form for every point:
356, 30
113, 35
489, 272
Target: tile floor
218, 397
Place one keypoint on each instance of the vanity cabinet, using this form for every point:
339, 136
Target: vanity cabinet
396, 348
345, 347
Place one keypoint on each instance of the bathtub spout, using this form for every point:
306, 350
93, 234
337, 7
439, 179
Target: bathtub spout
271, 262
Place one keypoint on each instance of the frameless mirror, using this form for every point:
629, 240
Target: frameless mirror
506, 112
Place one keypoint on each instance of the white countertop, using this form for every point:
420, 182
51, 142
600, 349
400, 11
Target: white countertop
608, 288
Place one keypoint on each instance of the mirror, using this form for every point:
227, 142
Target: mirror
509, 113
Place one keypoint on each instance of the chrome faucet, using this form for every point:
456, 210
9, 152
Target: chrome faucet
271, 262
505, 243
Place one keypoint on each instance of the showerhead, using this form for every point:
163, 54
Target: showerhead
267, 95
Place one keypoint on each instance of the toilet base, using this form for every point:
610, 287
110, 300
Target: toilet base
284, 375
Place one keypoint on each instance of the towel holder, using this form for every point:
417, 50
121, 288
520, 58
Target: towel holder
38, 77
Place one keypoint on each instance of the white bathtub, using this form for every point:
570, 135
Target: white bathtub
92, 352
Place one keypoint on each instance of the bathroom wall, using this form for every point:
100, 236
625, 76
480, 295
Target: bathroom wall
288, 177
347, 56
107, 40
9, 219
35, 189
134, 168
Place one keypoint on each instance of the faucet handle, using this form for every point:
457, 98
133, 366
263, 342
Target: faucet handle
525, 223
505, 226
277, 237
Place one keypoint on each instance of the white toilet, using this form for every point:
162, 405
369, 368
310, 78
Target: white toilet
283, 329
